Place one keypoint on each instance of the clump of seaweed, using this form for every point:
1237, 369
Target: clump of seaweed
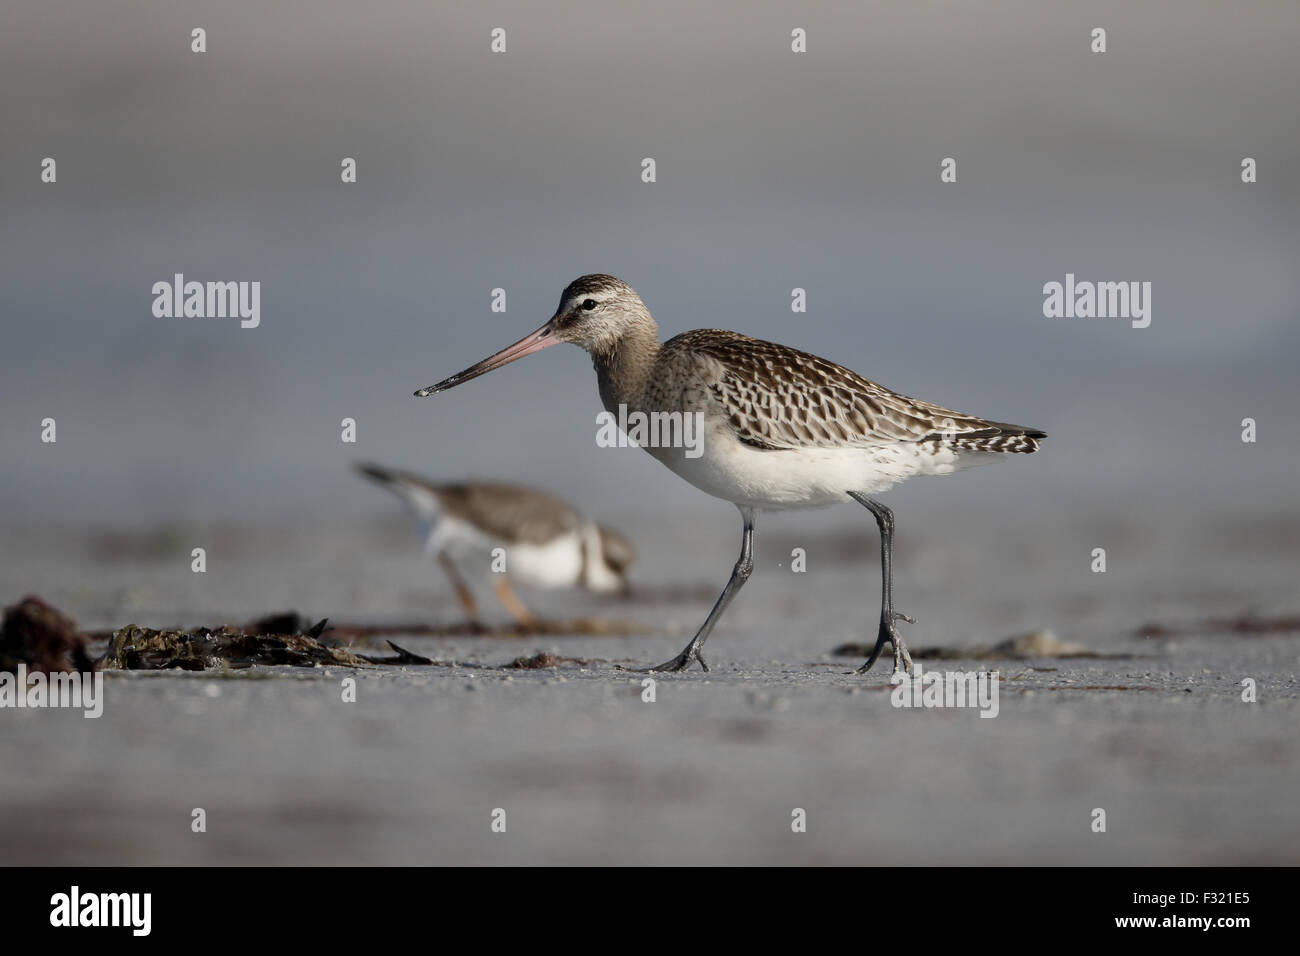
265, 641
538, 661
36, 634
142, 648
541, 661
403, 657
536, 627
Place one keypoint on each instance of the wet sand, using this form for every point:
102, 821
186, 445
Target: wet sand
711, 771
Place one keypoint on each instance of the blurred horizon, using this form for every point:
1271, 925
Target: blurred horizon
522, 170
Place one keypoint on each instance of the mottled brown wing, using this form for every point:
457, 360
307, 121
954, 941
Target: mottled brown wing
514, 514
777, 398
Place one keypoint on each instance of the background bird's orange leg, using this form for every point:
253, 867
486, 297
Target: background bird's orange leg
511, 600
463, 593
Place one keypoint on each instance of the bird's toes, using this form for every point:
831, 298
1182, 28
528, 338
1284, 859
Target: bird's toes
679, 663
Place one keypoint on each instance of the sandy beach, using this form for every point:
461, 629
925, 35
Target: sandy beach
712, 770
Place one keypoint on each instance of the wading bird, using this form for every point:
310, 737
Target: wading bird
782, 428
547, 543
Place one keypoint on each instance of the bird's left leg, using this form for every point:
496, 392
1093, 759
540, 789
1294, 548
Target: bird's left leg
463, 594
888, 616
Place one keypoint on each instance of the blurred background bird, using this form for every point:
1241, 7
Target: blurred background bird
545, 541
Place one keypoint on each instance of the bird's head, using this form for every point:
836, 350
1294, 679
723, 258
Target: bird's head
608, 557
595, 311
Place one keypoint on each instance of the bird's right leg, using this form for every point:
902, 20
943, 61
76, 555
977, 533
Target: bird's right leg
523, 617
888, 616
463, 593
739, 575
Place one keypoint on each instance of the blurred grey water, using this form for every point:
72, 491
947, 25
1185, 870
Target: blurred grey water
522, 170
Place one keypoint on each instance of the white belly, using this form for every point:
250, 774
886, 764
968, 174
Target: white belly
804, 477
554, 564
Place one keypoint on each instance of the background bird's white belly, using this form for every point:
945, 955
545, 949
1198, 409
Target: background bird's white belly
555, 564
552, 564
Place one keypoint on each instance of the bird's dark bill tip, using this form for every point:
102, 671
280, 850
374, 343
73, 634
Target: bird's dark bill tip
427, 391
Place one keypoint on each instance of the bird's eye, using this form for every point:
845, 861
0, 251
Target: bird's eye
589, 304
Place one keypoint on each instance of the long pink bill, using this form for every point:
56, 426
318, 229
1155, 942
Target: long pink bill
543, 338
